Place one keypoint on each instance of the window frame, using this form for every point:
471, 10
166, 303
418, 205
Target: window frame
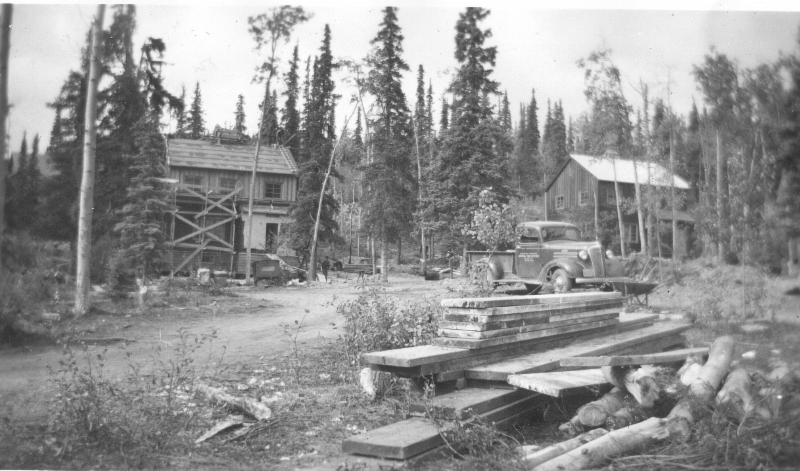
272, 185
632, 232
560, 202
583, 198
192, 176
611, 195
228, 179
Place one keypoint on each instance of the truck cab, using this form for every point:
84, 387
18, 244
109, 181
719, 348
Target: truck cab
552, 252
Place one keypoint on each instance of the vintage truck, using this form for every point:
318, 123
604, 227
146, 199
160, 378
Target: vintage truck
553, 252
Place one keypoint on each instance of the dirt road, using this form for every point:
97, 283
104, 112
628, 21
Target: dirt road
249, 325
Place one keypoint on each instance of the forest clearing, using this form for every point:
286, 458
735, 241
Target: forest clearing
395, 255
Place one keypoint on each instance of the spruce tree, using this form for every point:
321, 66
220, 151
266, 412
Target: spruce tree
420, 112
316, 152
196, 124
471, 156
529, 167
239, 116
142, 239
505, 114
290, 119
444, 121
358, 131
181, 120
389, 195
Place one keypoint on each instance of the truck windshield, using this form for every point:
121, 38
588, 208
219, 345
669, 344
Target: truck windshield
529, 234
561, 233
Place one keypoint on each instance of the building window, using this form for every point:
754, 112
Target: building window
583, 198
610, 196
272, 190
228, 183
560, 202
193, 181
271, 244
631, 233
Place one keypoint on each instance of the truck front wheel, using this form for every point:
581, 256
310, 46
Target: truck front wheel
561, 282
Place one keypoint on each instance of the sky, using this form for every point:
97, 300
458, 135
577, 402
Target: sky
209, 44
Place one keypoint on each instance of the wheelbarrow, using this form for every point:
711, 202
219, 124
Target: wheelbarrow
634, 290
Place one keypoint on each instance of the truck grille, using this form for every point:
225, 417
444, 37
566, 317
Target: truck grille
596, 254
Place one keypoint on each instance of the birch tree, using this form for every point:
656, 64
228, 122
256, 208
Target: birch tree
87, 182
5, 38
267, 30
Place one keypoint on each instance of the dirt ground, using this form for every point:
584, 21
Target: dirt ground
248, 326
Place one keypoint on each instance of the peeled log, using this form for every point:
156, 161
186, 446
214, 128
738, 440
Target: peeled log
637, 381
619, 442
703, 389
546, 454
677, 424
245, 405
595, 413
627, 416
735, 398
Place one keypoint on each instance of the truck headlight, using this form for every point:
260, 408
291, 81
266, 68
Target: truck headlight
583, 255
609, 254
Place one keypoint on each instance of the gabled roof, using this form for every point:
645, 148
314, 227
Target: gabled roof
603, 168
230, 157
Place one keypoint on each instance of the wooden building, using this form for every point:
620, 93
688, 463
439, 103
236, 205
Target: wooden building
208, 226
584, 180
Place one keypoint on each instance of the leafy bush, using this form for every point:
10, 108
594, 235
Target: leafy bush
30, 273
376, 321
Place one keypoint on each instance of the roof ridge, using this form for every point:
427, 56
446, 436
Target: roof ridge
289, 158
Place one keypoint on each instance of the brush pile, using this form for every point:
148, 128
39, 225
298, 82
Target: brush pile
652, 406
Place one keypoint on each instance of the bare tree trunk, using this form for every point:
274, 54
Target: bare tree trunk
709, 247
5, 42
617, 195
87, 182
312, 264
639, 208
596, 191
721, 201
673, 197
384, 257
419, 202
253, 176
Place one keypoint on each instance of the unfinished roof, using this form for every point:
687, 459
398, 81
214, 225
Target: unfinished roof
236, 158
602, 168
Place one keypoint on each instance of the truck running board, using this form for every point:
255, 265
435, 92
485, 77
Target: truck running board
513, 281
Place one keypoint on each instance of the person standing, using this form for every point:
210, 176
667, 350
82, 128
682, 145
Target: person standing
325, 265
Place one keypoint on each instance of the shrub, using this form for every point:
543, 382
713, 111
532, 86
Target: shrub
376, 321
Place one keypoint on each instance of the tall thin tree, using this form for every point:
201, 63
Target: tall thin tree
87, 183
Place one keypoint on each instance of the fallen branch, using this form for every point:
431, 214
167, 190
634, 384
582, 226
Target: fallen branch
546, 454
219, 427
247, 406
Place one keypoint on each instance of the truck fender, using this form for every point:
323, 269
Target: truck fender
573, 268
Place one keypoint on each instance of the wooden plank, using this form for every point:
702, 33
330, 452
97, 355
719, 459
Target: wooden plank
467, 402
504, 301
511, 310
428, 354
602, 345
488, 334
511, 339
671, 356
557, 383
399, 440
549, 313
411, 437
491, 357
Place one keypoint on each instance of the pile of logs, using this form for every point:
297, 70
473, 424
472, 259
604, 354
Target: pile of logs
633, 415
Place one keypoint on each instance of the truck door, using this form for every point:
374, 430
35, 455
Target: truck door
529, 253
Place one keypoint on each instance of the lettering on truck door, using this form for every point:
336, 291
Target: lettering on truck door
529, 253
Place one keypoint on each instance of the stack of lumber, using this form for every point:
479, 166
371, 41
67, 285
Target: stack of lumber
477, 323
483, 341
